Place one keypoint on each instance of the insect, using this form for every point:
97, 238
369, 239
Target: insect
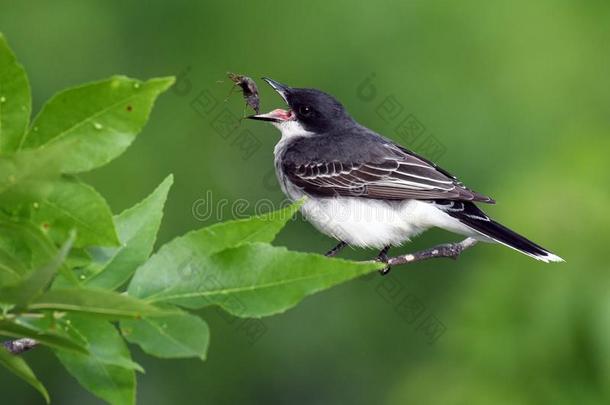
248, 90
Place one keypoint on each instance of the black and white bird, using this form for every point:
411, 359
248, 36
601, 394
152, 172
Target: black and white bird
365, 190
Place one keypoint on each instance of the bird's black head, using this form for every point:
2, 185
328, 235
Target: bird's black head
315, 110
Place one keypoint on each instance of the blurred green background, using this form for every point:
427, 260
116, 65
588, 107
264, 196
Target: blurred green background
517, 94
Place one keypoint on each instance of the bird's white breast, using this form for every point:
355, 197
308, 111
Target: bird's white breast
376, 223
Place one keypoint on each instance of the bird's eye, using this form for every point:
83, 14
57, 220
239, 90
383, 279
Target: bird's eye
305, 111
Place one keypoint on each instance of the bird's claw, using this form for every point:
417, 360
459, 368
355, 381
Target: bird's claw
383, 258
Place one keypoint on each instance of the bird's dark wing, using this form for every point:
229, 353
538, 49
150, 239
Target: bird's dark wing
385, 171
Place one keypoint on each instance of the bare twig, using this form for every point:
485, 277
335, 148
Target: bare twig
19, 346
451, 250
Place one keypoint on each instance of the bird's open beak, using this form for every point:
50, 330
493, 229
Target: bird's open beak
278, 115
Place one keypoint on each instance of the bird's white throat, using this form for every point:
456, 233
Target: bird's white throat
289, 129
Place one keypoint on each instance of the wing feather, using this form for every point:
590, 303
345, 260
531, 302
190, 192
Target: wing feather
398, 175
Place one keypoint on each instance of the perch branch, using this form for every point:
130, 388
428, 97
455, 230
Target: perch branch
450, 250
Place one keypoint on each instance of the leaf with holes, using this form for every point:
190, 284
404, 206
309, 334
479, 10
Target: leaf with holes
72, 204
96, 121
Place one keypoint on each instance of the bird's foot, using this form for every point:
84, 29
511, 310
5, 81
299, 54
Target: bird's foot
383, 258
334, 251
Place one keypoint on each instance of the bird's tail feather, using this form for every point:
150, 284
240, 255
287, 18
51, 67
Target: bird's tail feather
476, 219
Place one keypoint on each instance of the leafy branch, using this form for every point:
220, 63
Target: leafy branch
79, 281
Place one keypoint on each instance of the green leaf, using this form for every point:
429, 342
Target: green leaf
27, 245
108, 370
15, 99
20, 368
51, 322
15, 257
10, 269
96, 302
36, 282
251, 280
78, 258
45, 337
103, 341
72, 204
196, 245
174, 336
103, 117
25, 175
137, 228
